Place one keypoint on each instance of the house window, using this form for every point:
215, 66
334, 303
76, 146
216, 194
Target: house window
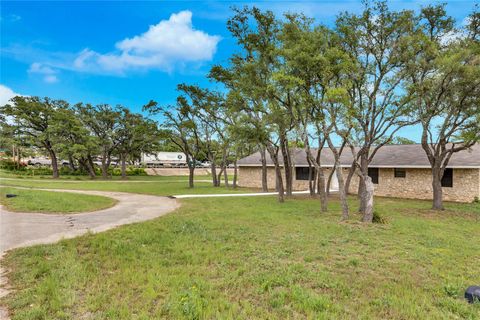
302, 173
447, 179
373, 173
399, 173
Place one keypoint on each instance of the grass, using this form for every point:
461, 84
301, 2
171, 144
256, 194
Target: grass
252, 258
162, 186
52, 202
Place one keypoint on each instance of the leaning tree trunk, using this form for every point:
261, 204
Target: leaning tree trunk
219, 176
124, 167
264, 170
351, 172
367, 198
437, 189
53, 157
71, 163
329, 181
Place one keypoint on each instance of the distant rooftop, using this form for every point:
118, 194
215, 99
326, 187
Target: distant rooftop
389, 156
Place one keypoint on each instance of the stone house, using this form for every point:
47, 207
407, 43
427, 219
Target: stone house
401, 171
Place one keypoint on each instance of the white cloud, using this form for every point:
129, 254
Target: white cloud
49, 74
163, 46
6, 94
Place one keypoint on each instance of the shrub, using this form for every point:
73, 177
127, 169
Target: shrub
377, 218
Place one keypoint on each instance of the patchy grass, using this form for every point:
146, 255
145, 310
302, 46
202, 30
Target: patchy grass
252, 258
52, 202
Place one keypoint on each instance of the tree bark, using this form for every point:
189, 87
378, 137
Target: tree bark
437, 189
53, 157
278, 174
311, 178
213, 167
264, 169
341, 190
235, 174
287, 166
351, 172
321, 190
329, 181
367, 199
362, 187
225, 176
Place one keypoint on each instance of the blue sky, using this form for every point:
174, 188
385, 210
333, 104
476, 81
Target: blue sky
130, 52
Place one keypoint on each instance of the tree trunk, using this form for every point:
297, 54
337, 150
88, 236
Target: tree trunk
104, 167
311, 178
437, 189
367, 199
341, 190
235, 174
351, 172
53, 157
124, 167
191, 173
219, 176
287, 165
279, 183
71, 163
278, 173
362, 187
264, 169
321, 190
88, 167
225, 176
213, 166
91, 165
329, 182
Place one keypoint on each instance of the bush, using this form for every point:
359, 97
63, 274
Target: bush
377, 218
9, 164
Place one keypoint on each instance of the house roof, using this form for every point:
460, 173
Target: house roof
389, 156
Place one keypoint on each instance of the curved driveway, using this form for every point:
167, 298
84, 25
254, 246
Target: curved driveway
20, 229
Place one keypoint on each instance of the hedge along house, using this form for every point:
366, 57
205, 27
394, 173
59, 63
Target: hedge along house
401, 171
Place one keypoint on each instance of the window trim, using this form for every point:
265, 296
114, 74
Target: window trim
399, 172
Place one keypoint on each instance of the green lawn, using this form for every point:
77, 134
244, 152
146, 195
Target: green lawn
251, 258
151, 185
52, 202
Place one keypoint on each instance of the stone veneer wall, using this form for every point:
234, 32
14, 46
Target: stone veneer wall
416, 185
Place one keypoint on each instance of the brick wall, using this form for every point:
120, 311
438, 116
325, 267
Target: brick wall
416, 185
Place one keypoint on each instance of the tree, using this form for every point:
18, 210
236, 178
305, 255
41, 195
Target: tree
445, 89
136, 135
377, 41
103, 122
182, 122
74, 141
33, 118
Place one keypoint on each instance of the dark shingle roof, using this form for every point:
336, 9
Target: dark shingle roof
389, 156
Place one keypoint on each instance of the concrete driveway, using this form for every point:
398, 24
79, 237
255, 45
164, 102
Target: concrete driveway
20, 229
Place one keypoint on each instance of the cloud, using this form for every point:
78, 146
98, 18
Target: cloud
6, 94
163, 46
49, 74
